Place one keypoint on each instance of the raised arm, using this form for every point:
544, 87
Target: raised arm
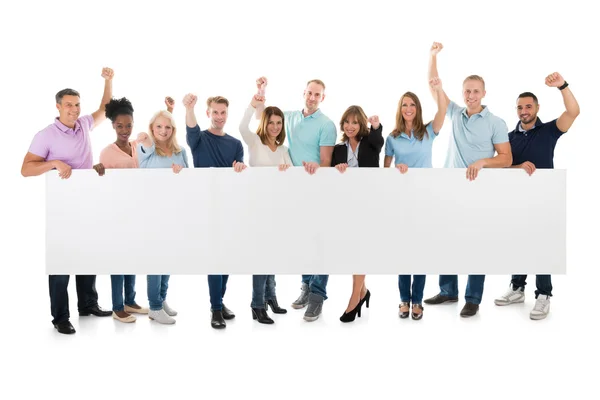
261, 85
375, 136
435, 85
251, 138
567, 118
170, 103
436, 47
191, 125
99, 115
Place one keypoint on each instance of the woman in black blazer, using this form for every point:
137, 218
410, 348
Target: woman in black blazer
360, 147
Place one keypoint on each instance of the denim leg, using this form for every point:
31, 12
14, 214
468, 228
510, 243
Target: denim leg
154, 299
59, 297
418, 285
270, 288
164, 285
449, 285
129, 281
474, 290
544, 285
224, 279
215, 290
87, 296
306, 279
258, 291
116, 283
404, 288
318, 285
518, 281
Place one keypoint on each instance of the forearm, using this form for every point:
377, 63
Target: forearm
499, 161
190, 118
433, 71
35, 168
107, 94
571, 105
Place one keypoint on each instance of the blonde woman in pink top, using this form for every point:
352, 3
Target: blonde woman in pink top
121, 154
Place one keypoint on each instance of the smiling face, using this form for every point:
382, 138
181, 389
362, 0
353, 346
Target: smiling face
473, 93
217, 112
314, 94
274, 126
162, 129
123, 125
409, 109
69, 109
527, 109
351, 126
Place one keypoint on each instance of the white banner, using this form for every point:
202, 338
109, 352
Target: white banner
373, 221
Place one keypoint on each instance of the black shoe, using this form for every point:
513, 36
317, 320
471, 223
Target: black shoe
351, 316
217, 320
227, 313
441, 299
469, 310
367, 298
95, 310
261, 315
275, 307
64, 327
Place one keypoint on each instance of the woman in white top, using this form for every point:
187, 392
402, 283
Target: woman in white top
266, 150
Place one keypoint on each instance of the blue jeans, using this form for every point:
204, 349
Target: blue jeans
542, 282
418, 284
263, 289
87, 296
217, 285
117, 282
157, 290
449, 287
317, 284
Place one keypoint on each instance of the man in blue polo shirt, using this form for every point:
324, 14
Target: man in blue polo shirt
213, 148
311, 136
533, 144
477, 135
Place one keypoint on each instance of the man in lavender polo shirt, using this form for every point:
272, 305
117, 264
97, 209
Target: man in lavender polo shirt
65, 145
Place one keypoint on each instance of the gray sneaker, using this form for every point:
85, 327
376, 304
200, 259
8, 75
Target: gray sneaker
302, 300
315, 307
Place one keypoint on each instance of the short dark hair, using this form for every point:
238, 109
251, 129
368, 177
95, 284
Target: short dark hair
528, 94
65, 92
116, 107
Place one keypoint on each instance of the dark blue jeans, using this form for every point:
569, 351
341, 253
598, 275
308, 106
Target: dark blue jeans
217, 285
418, 284
157, 290
263, 289
317, 284
117, 282
87, 296
542, 282
449, 287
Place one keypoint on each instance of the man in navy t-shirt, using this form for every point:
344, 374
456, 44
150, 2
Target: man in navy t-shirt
532, 144
214, 148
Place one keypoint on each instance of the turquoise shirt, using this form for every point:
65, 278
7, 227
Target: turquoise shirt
149, 159
473, 138
411, 151
306, 135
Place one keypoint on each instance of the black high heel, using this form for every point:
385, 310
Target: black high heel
351, 316
366, 298
274, 306
261, 315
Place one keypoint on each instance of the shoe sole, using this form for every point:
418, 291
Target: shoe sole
443, 302
136, 311
298, 306
218, 326
164, 323
503, 303
310, 319
537, 317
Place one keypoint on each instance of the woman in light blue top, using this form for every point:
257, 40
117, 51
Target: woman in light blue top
159, 149
410, 145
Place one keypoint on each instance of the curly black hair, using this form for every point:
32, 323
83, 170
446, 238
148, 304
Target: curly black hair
116, 107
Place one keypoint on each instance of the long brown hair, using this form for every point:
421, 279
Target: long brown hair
358, 113
262, 132
419, 128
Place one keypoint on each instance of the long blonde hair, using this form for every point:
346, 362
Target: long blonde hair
172, 142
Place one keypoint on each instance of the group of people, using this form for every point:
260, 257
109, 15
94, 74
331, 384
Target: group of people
479, 140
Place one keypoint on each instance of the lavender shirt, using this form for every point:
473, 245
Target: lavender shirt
71, 146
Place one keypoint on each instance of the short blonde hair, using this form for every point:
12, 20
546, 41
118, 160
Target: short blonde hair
218, 100
172, 142
317, 81
474, 78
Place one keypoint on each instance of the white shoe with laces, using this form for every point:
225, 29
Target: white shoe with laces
511, 297
541, 308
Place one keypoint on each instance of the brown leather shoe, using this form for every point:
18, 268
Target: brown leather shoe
469, 310
441, 299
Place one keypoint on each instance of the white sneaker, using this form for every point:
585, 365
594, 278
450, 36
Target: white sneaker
169, 310
541, 308
511, 297
161, 317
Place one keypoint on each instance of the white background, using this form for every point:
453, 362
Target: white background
367, 53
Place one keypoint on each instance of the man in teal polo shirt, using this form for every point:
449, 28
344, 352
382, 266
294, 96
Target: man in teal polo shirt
476, 135
311, 136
